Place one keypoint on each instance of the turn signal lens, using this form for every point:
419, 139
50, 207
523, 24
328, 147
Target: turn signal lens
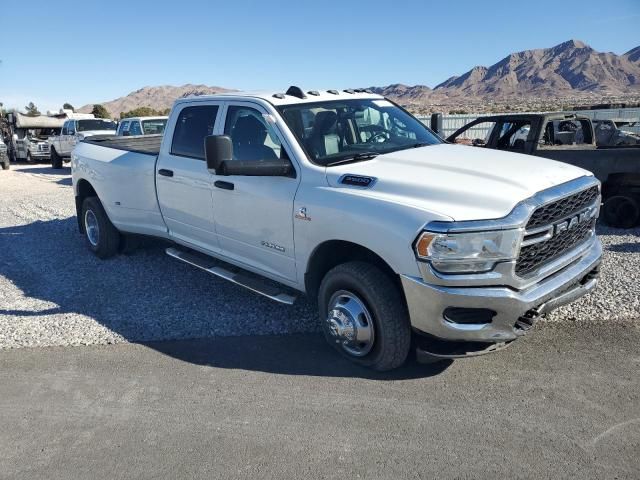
422, 245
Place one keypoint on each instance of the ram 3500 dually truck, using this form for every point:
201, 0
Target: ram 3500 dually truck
348, 198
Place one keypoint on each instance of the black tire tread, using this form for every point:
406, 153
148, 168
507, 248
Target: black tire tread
109, 241
387, 302
56, 160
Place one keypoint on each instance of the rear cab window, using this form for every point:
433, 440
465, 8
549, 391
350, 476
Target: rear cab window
154, 126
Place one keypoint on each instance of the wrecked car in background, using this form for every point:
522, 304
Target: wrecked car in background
569, 139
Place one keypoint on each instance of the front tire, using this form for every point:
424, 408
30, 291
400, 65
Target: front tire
56, 160
364, 316
102, 238
6, 165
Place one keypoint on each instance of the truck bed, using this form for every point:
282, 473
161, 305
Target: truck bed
149, 144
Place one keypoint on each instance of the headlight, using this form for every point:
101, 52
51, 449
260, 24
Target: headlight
469, 252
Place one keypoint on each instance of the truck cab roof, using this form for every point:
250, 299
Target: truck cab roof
294, 95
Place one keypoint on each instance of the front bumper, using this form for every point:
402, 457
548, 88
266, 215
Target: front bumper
427, 302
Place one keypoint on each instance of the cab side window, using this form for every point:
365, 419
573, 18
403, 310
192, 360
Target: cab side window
135, 129
513, 135
477, 134
71, 128
65, 129
193, 125
124, 128
252, 137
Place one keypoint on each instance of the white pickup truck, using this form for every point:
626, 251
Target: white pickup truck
75, 130
346, 197
141, 126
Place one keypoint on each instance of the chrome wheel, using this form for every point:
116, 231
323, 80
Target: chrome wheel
91, 228
350, 324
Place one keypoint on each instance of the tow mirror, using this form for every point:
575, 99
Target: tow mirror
217, 149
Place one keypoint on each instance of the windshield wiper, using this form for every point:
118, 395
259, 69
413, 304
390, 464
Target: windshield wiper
354, 158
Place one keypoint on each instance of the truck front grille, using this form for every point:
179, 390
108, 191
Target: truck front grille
544, 219
555, 211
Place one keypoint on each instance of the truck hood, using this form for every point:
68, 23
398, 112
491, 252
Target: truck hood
460, 182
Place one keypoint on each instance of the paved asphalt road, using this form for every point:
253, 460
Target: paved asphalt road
562, 403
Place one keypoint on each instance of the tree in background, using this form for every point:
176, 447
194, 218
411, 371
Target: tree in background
144, 112
32, 110
68, 106
100, 112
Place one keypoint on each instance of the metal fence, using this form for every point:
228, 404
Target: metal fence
451, 123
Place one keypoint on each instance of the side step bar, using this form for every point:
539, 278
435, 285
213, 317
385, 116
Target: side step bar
244, 280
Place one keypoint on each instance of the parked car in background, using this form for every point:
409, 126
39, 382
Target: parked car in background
142, 126
28, 136
348, 198
75, 130
614, 133
569, 139
4, 156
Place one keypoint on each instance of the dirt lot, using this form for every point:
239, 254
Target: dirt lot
223, 383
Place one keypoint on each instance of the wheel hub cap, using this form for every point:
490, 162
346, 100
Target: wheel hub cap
92, 228
350, 324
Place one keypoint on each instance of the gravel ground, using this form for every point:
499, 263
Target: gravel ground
55, 292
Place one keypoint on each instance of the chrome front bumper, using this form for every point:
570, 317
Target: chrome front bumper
427, 302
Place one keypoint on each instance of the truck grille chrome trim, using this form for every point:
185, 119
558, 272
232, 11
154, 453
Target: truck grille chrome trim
557, 227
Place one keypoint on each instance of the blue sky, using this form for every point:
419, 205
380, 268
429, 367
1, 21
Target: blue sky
94, 51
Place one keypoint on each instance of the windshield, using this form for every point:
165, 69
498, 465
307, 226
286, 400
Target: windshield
95, 124
153, 127
343, 130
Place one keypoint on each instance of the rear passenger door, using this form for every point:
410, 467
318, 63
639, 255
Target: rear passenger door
182, 180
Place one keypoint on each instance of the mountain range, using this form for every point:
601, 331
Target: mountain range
570, 69
158, 98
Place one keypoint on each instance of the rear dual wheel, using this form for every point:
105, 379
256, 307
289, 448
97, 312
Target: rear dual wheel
101, 236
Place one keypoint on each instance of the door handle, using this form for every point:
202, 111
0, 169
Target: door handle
165, 173
224, 185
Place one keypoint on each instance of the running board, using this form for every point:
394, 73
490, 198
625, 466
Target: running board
244, 280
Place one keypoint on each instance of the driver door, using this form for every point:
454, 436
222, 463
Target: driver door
254, 215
